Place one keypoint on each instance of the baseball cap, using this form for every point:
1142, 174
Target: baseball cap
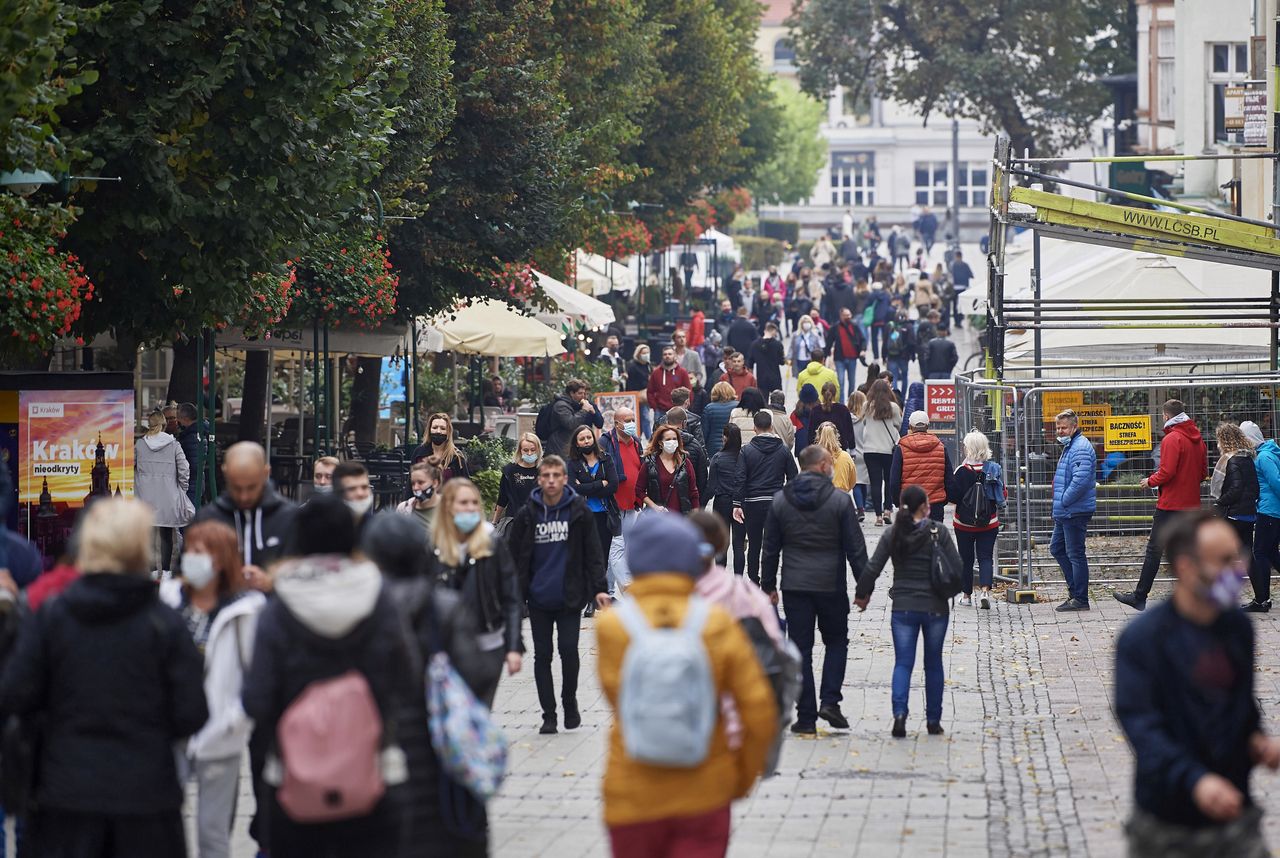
918, 418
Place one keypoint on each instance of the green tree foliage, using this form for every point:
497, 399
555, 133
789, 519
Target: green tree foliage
1026, 68
497, 191
240, 130
791, 173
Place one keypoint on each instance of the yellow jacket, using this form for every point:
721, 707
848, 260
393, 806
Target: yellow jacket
636, 792
817, 375
845, 476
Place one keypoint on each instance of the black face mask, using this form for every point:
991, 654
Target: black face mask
586, 448
438, 438
424, 495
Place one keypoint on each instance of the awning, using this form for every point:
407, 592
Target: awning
493, 329
598, 275
572, 308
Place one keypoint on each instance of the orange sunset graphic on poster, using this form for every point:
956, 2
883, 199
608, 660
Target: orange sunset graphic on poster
58, 434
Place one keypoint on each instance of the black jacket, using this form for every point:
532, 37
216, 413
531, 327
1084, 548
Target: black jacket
116, 680
764, 466
638, 376
1239, 495
912, 588
594, 487
838, 296
697, 453
189, 440
815, 529
765, 360
566, 417
490, 589
938, 358
693, 425
741, 335
722, 477
584, 570
261, 531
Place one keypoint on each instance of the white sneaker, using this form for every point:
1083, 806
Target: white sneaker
966, 601
984, 600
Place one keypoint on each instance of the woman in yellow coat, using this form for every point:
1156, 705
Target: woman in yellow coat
674, 812
845, 475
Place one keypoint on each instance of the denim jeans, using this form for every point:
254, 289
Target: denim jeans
860, 497
847, 375
981, 543
831, 613
1067, 547
907, 627
646, 421
901, 368
1266, 555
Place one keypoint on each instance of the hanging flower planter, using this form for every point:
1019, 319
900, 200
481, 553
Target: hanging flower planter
348, 278
43, 288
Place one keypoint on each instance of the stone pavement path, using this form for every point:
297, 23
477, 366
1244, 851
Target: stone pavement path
1033, 762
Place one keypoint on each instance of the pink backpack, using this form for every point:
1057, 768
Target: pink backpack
330, 741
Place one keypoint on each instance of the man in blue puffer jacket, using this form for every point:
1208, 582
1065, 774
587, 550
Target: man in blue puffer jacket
1266, 542
1075, 498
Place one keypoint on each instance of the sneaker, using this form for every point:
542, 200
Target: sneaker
899, 730
984, 600
804, 729
934, 728
880, 521
1075, 605
1133, 600
572, 718
833, 716
966, 600
1256, 607
590, 611
548, 725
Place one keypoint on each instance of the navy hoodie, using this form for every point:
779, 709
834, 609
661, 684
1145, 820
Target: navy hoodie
550, 550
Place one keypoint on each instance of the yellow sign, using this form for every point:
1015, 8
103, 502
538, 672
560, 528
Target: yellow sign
1057, 401
1093, 418
1127, 432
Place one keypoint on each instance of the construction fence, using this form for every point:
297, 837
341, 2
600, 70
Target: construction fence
1120, 411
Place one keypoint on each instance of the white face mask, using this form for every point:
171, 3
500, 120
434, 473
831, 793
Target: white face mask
360, 507
670, 446
197, 569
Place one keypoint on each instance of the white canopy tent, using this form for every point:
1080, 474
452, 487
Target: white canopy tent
571, 306
599, 275
493, 329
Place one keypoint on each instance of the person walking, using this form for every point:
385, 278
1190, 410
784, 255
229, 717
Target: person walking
742, 333
766, 359
765, 466
961, 277
689, 359
561, 568
638, 372
814, 529
844, 474
817, 373
847, 344
622, 445
859, 415
593, 475
678, 419
161, 479
470, 559
440, 444
879, 445
1235, 489
677, 811
724, 399
518, 478
917, 610
221, 614
667, 477
424, 484
192, 447
938, 357
1185, 698
664, 379
1184, 465
922, 459
114, 680
832, 410
1266, 537
807, 339
900, 350
979, 494
1075, 486
570, 411
722, 487
737, 375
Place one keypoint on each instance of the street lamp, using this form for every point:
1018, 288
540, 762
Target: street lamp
24, 184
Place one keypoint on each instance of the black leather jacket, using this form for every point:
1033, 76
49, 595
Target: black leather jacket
490, 588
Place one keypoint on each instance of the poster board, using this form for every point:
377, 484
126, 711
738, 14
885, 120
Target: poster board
1057, 401
1127, 432
607, 403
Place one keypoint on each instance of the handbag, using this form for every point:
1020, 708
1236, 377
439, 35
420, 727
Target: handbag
944, 571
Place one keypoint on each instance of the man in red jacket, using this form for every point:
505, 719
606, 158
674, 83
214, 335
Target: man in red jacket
1184, 464
662, 381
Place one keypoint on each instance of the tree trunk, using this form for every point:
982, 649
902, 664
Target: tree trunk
253, 407
185, 375
365, 388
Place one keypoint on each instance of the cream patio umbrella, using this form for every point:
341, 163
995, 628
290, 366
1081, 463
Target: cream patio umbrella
492, 329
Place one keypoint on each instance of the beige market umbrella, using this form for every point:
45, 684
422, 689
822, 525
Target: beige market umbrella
493, 329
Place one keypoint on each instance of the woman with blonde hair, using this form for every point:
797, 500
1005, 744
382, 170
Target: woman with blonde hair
439, 443
666, 478
115, 680
471, 559
161, 476
1235, 492
857, 406
881, 437
519, 478
845, 474
977, 520
716, 413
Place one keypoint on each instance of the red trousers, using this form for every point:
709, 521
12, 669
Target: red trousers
702, 836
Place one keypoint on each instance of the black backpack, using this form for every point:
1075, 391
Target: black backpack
976, 509
544, 425
896, 346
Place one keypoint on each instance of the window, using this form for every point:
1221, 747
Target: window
855, 107
1165, 74
1229, 64
933, 183
784, 54
853, 179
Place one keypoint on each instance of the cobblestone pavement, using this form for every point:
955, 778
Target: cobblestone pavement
1033, 762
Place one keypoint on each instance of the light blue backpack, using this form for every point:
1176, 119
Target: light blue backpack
667, 705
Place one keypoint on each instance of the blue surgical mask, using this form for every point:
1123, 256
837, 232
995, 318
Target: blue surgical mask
630, 428
528, 458
1064, 440
466, 521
